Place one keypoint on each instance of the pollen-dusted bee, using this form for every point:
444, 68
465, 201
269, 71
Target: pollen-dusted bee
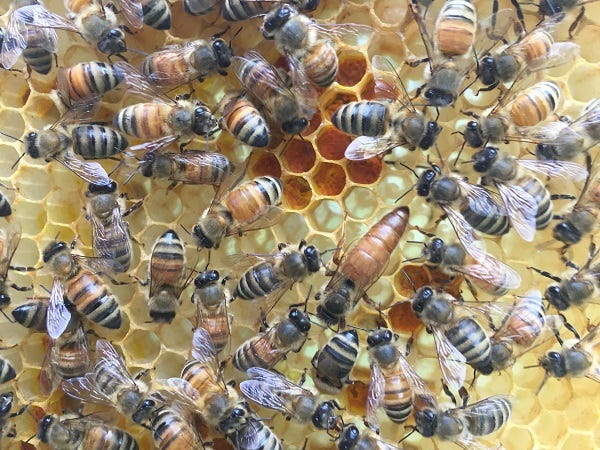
37, 45
243, 120
381, 125
360, 266
76, 281
352, 439
172, 429
335, 360
85, 82
6, 403
250, 206
247, 431
111, 384
525, 197
110, 233
7, 371
289, 107
237, 10
82, 433
179, 64
167, 275
268, 348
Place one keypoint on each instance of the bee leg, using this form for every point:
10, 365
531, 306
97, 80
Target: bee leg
416, 62
464, 396
22, 268
6, 316
562, 197
134, 207
373, 427
141, 373
569, 326
449, 393
576, 21
491, 87
546, 274
412, 430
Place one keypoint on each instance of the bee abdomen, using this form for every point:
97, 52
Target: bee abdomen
257, 282
93, 78
364, 118
247, 124
471, 340
535, 105
32, 315
254, 198
7, 371
38, 58
397, 398
93, 300
540, 194
157, 14
247, 356
489, 415
236, 10
321, 64
487, 218
107, 438
5, 208
97, 141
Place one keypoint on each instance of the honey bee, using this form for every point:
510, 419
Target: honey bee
352, 439
7, 371
110, 233
525, 197
111, 384
32, 315
212, 299
68, 356
172, 430
237, 10
6, 403
76, 281
250, 206
37, 45
450, 52
244, 121
85, 82
167, 277
514, 117
566, 140
10, 236
247, 431
268, 348
289, 107
335, 360
381, 125
97, 24
82, 433
199, 7
157, 14
179, 64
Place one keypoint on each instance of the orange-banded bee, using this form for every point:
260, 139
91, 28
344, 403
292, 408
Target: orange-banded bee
289, 107
352, 439
77, 282
450, 52
110, 233
176, 65
82, 433
525, 197
567, 140
268, 348
237, 10
360, 266
172, 429
335, 360
389, 387
85, 82
247, 431
250, 206
37, 45
243, 120
486, 272
97, 24
7, 371
514, 117
212, 299
68, 356
111, 384
274, 391
167, 275
380, 125
6, 404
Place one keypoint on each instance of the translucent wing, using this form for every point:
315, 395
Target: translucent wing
197, 159
14, 42
163, 77
108, 358
99, 265
271, 390
58, 316
181, 391
463, 230
302, 87
492, 29
38, 16
12, 237
522, 208
48, 377
388, 84
555, 168
375, 394
104, 236
91, 172
347, 33
131, 11
560, 53
366, 147
267, 220
137, 84
85, 389
491, 271
590, 341
203, 349
452, 362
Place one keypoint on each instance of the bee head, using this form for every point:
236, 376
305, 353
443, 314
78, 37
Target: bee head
425, 181
426, 422
554, 364
349, 438
295, 126
545, 151
113, 42
310, 5
566, 233
431, 132
4, 301
44, 427
380, 336
313, 258
206, 278
102, 188
31, 147
223, 52
483, 159
473, 135
300, 319
434, 251
53, 249
204, 122
487, 70
422, 297
276, 19
557, 297
439, 97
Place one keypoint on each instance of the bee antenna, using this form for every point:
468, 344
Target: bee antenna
11, 137
546, 376
137, 52
409, 168
413, 429
235, 35
17, 161
406, 193
356, 327
409, 279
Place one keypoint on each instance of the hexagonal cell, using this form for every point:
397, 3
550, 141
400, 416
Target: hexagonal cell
527, 409
179, 341
367, 171
352, 68
162, 207
169, 364
580, 79
333, 103
332, 143
389, 45
264, 163
297, 192
12, 122
360, 203
15, 90
61, 207
578, 415
141, 347
298, 156
329, 179
550, 428
402, 319
28, 384
578, 440
31, 215
326, 215
390, 12
40, 112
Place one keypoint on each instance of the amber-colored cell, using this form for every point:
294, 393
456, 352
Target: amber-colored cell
411, 278
368, 91
352, 68
365, 172
402, 318
450, 284
315, 121
335, 102
329, 179
356, 398
297, 192
299, 156
264, 163
332, 143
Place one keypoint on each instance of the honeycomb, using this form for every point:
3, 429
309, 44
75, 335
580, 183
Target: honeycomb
320, 186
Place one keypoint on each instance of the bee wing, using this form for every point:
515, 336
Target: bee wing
58, 316
366, 147
463, 230
375, 394
452, 362
424, 27
522, 207
85, 389
14, 42
267, 220
302, 87
251, 436
179, 390
478, 409
137, 84
590, 114
132, 12
388, 84
491, 271
347, 33
104, 236
12, 237
48, 377
39, 16
203, 348
556, 168
560, 53
174, 52
108, 358
99, 265
91, 172
590, 340
492, 29
265, 396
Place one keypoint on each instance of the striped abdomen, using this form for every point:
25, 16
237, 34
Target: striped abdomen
471, 340
86, 80
5, 208
167, 263
535, 104
70, 354
489, 218
334, 362
320, 63
260, 351
540, 194
97, 141
257, 282
157, 14
38, 58
525, 323
254, 198
236, 10
196, 167
114, 244
100, 437
166, 68
455, 27
171, 431
145, 120
216, 323
201, 376
364, 118
488, 415
536, 46
246, 123
397, 396
32, 315
7, 371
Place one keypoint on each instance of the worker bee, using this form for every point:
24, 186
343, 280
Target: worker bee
352, 439
7, 371
514, 117
68, 356
244, 121
178, 64
97, 24
237, 10
77, 282
212, 298
6, 403
110, 233
32, 315
85, 82
199, 7
167, 276
10, 236
172, 429
381, 125
389, 387
289, 107
486, 272
157, 13
5, 208
247, 431
268, 348
111, 384
274, 391
82, 433
450, 52
37, 45
335, 360
250, 206
525, 197
360, 266
566, 140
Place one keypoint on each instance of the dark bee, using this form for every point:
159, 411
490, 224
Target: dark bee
247, 431
237, 10
10, 236
335, 360
6, 403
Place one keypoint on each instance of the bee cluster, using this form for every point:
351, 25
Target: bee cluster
374, 208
